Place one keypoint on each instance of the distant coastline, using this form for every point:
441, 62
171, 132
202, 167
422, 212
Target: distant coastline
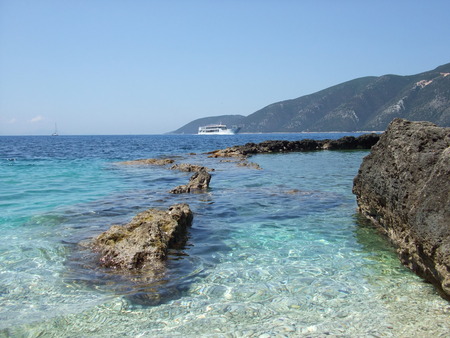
363, 104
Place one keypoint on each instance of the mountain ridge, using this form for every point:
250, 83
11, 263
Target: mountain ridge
365, 103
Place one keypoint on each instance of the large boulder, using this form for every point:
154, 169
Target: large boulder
403, 187
144, 242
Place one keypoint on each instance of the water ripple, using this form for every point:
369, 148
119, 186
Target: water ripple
272, 252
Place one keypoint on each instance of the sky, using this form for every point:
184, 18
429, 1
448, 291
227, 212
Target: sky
95, 67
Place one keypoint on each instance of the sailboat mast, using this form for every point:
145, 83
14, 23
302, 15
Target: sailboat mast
55, 133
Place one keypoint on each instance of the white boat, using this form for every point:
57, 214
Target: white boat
217, 129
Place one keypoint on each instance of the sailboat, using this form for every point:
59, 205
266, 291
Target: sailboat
55, 133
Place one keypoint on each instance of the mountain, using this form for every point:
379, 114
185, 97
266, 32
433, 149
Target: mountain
367, 103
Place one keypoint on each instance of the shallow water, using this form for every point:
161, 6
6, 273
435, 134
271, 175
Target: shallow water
278, 251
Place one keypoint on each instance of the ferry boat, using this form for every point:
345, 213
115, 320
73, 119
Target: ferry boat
217, 129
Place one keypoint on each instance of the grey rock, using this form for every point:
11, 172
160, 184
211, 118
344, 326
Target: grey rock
403, 187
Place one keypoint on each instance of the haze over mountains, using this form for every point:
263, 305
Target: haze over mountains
367, 103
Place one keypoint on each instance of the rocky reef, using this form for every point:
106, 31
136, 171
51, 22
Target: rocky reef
143, 243
199, 182
365, 141
403, 187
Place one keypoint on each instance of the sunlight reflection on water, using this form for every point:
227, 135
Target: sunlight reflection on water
277, 251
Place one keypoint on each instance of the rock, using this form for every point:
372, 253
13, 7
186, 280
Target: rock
248, 164
144, 242
403, 187
186, 167
227, 152
198, 182
365, 141
150, 161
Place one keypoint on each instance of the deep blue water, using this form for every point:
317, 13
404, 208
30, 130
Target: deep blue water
277, 251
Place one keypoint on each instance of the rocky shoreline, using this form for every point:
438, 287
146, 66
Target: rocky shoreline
365, 141
143, 243
403, 187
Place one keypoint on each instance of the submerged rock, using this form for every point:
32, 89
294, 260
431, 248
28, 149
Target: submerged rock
186, 167
248, 164
403, 187
144, 242
198, 182
150, 161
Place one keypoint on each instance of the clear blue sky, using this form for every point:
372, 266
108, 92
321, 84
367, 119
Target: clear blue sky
149, 67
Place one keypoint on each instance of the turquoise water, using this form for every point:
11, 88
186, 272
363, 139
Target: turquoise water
272, 252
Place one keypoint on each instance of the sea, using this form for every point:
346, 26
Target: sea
275, 252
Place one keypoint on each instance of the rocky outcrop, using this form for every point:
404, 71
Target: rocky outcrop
144, 242
187, 167
199, 182
247, 164
150, 161
365, 141
403, 186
